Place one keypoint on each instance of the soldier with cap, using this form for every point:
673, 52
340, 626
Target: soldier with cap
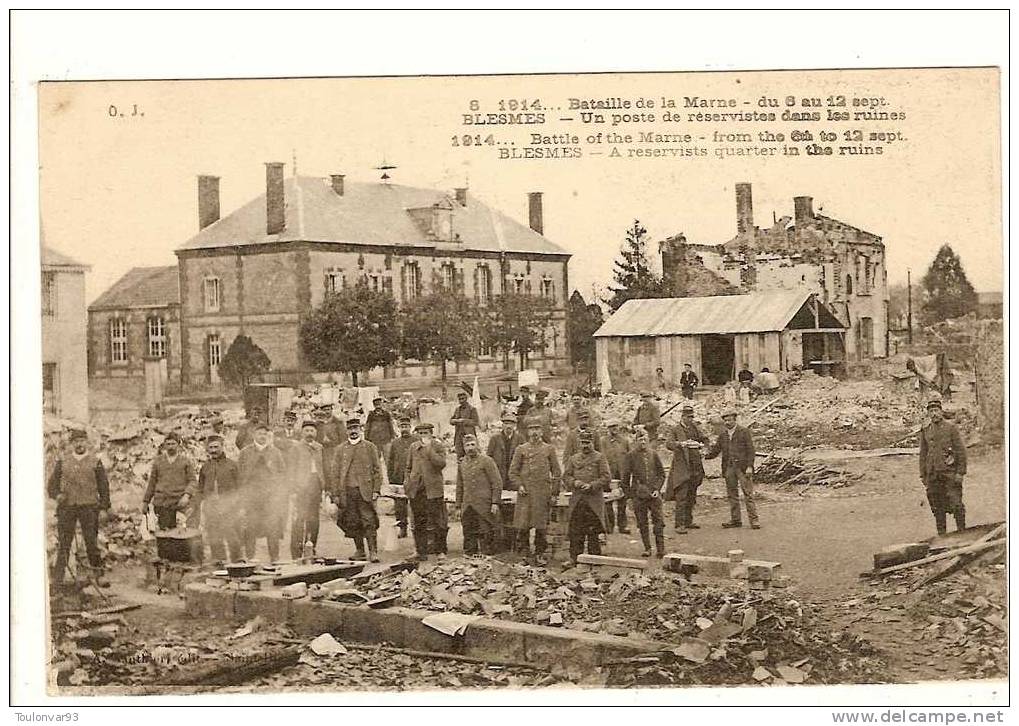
543, 414
687, 471
379, 426
79, 484
736, 446
525, 402
465, 420
688, 381
645, 477
586, 475
219, 492
616, 445
501, 448
396, 465
308, 483
942, 466
649, 416
423, 484
572, 445
536, 474
172, 483
356, 484
263, 477
331, 433
478, 494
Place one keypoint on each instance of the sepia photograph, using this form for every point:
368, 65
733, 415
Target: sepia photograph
475, 383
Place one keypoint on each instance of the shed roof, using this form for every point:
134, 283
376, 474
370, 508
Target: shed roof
758, 312
369, 213
142, 287
49, 257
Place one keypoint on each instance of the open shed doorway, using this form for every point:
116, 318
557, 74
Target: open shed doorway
718, 359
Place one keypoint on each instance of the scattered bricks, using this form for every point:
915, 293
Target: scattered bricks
418, 636
612, 561
763, 571
364, 625
269, 604
900, 554
497, 639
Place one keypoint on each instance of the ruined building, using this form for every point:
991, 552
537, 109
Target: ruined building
842, 265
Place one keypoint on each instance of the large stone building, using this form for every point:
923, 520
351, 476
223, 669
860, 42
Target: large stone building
843, 266
263, 268
137, 318
64, 366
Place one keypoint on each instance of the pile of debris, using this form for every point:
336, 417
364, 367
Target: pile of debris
83, 641
792, 469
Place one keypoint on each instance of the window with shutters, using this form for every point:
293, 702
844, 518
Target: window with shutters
387, 285
484, 277
548, 289
213, 294
335, 280
49, 294
448, 277
118, 341
867, 279
215, 350
410, 281
157, 337
518, 284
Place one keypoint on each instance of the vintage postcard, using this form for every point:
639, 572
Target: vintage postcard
614, 380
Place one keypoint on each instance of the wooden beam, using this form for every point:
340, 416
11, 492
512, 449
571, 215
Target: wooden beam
942, 556
960, 561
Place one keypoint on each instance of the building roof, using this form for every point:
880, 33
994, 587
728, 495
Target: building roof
142, 287
758, 312
49, 257
990, 298
369, 213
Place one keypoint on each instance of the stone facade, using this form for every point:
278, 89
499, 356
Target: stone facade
64, 349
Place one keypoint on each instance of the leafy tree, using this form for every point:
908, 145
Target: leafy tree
243, 360
947, 292
353, 330
443, 326
633, 275
517, 322
581, 323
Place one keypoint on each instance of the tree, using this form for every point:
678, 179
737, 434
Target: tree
353, 330
633, 275
517, 323
947, 292
581, 322
243, 360
443, 326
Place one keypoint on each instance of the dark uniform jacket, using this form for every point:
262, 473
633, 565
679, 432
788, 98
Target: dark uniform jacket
644, 473
587, 468
535, 467
942, 450
398, 456
572, 445
170, 480
79, 482
307, 475
356, 466
648, 416
501, 448
218, 477
737, 449
478, 484
379, 428
615, 449
470, 426
688, 380
262, 470
424, 469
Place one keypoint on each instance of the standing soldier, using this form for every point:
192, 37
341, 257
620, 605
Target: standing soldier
330, 434
396, 466
478, 493
357, 481
687, 471
646, 475
615, 445
572, 445
586, 475
648, 416
737, 449
688, 381
171, 483
379, 426
536, 474
263, 472
465, 421
543, 413
79, 484
423, 485
942, 466
525, 404
501, 448
308, 482
219, 492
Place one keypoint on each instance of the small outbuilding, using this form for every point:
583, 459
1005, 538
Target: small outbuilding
718, 335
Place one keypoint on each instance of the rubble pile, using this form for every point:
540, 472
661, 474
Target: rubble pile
793, 470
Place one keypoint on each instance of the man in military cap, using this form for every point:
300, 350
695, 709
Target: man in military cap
357, 482
464, 421
543, 413
736, 446
616, 445
572, 444
942, 466
219, 492
645, 477
331, 433
379, 425
501, 448
263, 478
172, 483
308, 482
586, 475
79, 484
423, 484
526, 402
649, 416
687, 471
536, 474
478, 493
396, 465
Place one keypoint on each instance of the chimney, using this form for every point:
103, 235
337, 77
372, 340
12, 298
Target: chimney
208, 200
461, 196
337, 181
744, 208
534, 213
803, 208
275, 213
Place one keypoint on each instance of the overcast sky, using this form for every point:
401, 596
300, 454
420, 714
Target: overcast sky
121, 192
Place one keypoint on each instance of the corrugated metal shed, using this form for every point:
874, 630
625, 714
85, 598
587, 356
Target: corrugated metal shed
142, 287
758, 312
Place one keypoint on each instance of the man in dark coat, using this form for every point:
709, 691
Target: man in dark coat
688, 381
331, 433
645, 476
172, 483
542, 413
616, 445
465, 420
649, 416
737, 449
263, 476
423, 484
396, 467
308, 483
572, 445
379, 426
357, 482
501, 448
536, 474
246, 432
586, 476
478, 493
687, 471
942, 467
219, 492
526, 402
79, 484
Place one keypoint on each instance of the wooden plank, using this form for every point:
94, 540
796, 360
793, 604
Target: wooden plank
943, 556
961, 561
607, 561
